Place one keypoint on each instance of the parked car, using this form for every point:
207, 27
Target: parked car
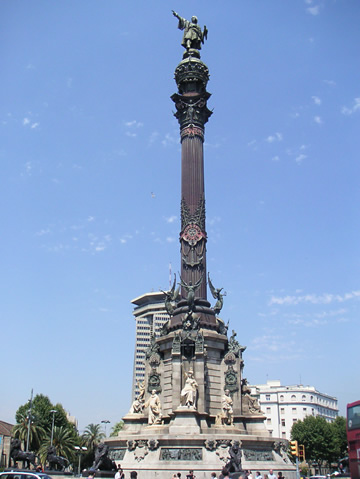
14, 474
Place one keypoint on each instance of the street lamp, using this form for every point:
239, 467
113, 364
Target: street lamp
53, 411
105, 421
80, 450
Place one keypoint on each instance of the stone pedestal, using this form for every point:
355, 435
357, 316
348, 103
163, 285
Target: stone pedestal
185, 421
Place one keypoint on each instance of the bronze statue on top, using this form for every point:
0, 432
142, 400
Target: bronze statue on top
193, 36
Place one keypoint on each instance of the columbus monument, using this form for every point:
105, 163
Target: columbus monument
194, 410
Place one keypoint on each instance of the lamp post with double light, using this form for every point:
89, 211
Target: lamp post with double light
105, 421
80, 450
53, 412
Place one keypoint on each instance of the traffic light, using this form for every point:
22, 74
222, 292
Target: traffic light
294, 448
301, 452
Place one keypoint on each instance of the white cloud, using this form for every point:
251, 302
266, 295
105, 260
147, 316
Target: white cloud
355, 107
35, 125
314, 10
26, 121
170, 140
316, 100
330, 82
325, 298
299, 159
153, 137
276, 137
275, 158
318, 120
130, 134
171, 219
43, 232
170, 239
134, 123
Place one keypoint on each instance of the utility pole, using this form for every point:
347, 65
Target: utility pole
29, 422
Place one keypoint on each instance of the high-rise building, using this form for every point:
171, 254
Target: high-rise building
150, 316
284, 405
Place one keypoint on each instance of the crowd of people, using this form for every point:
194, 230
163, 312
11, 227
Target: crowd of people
225, 474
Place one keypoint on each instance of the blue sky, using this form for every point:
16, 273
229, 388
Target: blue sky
90, 189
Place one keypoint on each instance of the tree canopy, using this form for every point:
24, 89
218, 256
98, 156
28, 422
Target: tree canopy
117, 428
324, 442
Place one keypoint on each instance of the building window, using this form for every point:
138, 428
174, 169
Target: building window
311, 398
281, 398
304, 410
283, 434
282, 410
313, 411
294, 410
268, 410
294, 420
267, 397
293, 397
283, 422
268, 420
303, 398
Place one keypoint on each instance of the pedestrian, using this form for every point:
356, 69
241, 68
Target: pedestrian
175, 476
225, 473
179, 475
133, 475
271, 474
280, 476
258, 475
91, 474
213, 475
191, 475
120, 473
250, 475
266, 476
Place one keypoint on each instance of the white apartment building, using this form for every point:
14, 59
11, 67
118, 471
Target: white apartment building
284, 405
150, 316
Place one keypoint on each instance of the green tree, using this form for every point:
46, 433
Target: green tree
117, 428
338, 428
316, 435
41, 413
64, 441
92, 436
36, 432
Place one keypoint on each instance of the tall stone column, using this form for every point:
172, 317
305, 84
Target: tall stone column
191, 76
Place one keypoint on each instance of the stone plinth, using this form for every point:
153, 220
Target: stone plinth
185, 421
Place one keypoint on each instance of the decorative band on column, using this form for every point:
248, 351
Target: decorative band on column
192, 131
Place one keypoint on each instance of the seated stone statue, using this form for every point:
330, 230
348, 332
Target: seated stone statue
250, 404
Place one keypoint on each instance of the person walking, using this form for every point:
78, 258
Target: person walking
271, 474
225, 473
258, 475
120, 473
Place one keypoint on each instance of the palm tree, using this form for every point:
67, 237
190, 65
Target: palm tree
64, 442
36, 432
92, 436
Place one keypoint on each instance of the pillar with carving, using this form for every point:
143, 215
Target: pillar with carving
191, 76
